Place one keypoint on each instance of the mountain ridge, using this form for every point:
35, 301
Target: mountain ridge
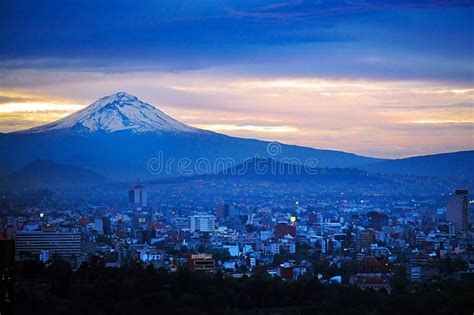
118, 135
271, 170
458, 164
50, 174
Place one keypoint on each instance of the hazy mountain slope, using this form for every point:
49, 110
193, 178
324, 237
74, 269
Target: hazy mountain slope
456, 164
49, 174
273, 170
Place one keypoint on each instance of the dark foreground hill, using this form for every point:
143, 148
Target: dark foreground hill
49, 174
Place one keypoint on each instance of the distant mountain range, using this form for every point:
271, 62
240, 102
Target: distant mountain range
122, 138
49, 174
456, 164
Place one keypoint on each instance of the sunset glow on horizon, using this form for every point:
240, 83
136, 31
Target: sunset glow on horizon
322, 113
325, 75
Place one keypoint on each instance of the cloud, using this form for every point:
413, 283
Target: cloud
16, 99
357, 39
306, 8
14, 121
252, 128
348, 75
38, 107
461, 122
415, 107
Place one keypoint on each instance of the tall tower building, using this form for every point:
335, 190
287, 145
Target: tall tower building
202, 223
457, 210
137, 196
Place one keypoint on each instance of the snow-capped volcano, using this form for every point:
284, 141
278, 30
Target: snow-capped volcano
98, 138
117, 112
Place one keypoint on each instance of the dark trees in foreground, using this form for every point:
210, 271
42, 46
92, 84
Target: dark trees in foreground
132, 289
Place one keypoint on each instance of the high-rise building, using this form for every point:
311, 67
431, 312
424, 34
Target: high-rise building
7, 276
202, 223
365, 238
137, 196
107, 225
457, 210
65, 244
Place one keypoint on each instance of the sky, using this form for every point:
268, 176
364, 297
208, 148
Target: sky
379, 78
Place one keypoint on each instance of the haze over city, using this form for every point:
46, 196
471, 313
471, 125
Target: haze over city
236, 157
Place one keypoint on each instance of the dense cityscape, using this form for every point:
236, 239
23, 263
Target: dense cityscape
243, 157
333, 234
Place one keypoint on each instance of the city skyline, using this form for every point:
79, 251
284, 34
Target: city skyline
236, 157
